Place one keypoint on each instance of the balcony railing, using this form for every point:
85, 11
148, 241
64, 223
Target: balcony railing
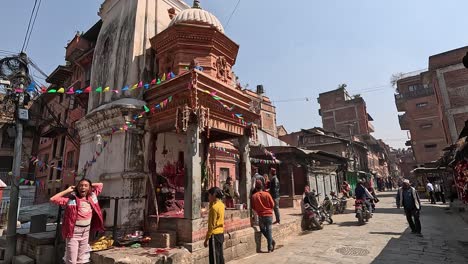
421, 92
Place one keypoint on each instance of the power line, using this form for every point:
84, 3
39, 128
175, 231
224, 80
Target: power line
29, 25
34, 22
233, 11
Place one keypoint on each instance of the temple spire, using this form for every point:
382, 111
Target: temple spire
196, 4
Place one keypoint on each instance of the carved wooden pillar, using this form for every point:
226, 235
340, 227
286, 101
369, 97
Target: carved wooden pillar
291, 174
193, 170
244, 170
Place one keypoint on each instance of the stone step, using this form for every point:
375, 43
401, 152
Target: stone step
163, 239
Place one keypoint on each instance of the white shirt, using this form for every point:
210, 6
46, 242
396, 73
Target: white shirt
429, 187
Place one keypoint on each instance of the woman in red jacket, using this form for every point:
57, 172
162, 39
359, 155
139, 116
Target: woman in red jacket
82, 215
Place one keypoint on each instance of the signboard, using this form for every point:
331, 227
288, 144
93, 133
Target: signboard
23, 114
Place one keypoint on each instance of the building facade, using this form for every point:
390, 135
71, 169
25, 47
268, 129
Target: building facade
59, 145
450, 81
344, 114
435, 103
422, 117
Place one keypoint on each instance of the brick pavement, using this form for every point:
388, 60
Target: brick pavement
385, 239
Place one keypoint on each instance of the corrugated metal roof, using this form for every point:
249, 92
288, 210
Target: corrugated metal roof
268, 140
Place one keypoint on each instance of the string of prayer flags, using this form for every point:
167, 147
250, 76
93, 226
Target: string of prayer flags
70, 91
31, 87
262, 161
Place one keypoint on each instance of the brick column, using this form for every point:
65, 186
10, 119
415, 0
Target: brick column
244, 170
193, 170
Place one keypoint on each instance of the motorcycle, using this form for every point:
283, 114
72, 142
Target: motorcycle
311, 218
339, 204
328, 205
325, 214
362, 212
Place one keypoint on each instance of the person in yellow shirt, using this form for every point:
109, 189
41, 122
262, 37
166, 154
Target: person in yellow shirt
215, 233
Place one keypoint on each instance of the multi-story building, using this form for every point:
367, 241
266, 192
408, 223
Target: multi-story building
406, 162
416, 97
344, 114
435, 103
450, 82
59, 145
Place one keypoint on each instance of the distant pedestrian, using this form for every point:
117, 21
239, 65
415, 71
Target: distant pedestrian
82, 215
345, 189
215, 234
229, 193
439, 192
275, 194
430, 190
267, 182
408, 198
256, 176
262, 204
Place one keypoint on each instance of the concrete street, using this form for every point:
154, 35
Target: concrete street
385, 239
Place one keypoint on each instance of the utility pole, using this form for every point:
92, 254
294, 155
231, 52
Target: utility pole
10, 251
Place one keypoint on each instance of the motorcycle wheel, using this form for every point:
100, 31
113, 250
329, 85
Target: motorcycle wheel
317, 223
360, 217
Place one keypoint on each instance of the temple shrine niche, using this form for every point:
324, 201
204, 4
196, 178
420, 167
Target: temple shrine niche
200, 105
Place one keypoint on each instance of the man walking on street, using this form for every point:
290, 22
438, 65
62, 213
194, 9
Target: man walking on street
275, 194
430, 190
256, 176
409, 199
439, 192
262, 204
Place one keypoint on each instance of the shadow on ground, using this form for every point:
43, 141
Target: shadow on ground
385, 233
349, 223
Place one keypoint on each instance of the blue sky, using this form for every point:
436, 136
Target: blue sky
296, 48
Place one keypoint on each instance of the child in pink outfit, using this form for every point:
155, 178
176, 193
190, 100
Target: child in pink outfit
82, 215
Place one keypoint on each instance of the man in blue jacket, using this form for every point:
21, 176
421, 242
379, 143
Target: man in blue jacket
408, 198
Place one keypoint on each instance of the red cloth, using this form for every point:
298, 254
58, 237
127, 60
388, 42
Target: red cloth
72, 203
262, 203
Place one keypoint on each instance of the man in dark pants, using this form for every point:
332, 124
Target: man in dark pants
430, 190
408, 197
262, 204
275, 194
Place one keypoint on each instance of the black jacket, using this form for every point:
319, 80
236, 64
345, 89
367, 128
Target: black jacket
275, 187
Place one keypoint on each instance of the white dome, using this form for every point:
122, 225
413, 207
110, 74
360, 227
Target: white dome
197, 16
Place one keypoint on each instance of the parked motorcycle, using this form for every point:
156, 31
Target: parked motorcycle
362, 212
328, 205
339, 204
311, 218
343, 205
325, 215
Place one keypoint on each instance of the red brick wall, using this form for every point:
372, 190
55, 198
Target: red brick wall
333, 104
447, 58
